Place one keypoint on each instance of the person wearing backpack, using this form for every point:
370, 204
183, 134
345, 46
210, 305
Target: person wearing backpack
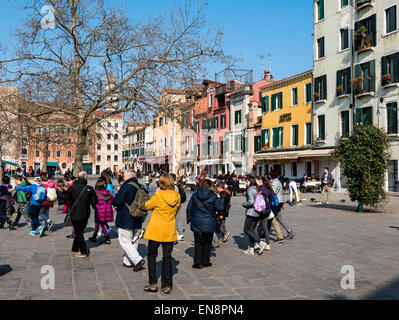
36, 200
51, 190
80, 197
129, 227
22, 201
161, 230
278, 190
179, 223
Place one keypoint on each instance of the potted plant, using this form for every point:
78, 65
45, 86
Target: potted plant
316, 96
357, 84
340, 90
386, 78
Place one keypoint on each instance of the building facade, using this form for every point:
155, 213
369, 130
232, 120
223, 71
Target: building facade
285, 141
356, 74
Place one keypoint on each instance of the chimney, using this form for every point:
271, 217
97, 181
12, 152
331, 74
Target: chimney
267, 75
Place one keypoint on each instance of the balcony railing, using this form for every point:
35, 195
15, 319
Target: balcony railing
227, 87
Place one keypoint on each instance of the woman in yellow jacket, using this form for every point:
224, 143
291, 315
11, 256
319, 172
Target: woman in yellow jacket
161, 229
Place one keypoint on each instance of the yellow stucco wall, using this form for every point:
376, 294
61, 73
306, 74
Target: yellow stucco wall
300, 114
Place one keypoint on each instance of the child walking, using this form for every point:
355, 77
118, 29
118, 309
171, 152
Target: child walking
104, 211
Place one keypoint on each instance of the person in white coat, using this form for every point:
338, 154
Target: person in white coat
293, 189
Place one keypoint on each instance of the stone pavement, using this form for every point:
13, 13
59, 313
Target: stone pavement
307, 267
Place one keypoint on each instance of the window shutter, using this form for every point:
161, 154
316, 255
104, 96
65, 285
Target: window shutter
321, 8
267, 104
322, 127
346, 38
325, 87
372, 75
273, 102
358, 71
373, 27
280, 100
393, 20
396, 75
262, 101
358, 117
339, 78
348, 80
384, 70
263, 138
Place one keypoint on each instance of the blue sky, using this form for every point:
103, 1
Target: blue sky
252, 28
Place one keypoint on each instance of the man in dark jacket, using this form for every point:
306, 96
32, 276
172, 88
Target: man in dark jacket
80, 196
202, 215
129, 228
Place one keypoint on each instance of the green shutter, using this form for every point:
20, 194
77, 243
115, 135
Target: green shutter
372, 75
322, 134
273, 102
262, 102
275, 137
384, 69
339, 79
267, 104
396, 75
324, 87
392, 110
321, 10
373, 28
367, 116
280, 102
359, 117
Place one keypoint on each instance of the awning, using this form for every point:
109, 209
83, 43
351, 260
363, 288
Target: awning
52, 164
160, 160
146, 160
209, 162
315, 153
288, 155
11, 163
186, 160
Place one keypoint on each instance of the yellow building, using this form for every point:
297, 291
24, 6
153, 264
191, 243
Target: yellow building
287, 136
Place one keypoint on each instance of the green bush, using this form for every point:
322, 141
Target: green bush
364, 159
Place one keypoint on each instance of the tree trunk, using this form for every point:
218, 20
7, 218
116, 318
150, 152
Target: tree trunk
1, 167
45, 157
80, 149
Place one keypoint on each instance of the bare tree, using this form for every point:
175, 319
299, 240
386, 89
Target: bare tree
95, 58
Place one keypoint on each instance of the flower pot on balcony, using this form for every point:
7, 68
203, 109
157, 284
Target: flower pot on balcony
386, 79
316, 96
340, 91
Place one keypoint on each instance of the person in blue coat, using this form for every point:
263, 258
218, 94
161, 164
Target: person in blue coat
202, 211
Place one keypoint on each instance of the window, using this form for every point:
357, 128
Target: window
210, 102
98, 146
344, 38
294, 169
277, 101
264, 103
98, 136
369, 37
365, 77
154, 124
345, 124
308, 92
24, 151
216, 122
116, 137
277, 137
223, 121
221, 147
37, 153
196, 127
392, 118
116, 124
265, 143
294, 96
49, 154
108, 158
237, 143
308, 133
160, 121
322, 128
243, 144
390, 69
393, 176
320, 88
99, 158
390, 19
320, 48
343, 81
115, 147
108, 147
257, 143
115, 158
320, 9
344, 3
364, 116
58, 141
58, 154
237, 117
69, 155
108, 124
294, 135
188, 119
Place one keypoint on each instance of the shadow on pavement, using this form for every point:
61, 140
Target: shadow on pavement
241, 242
4, 269
190, 252
389, 292
393, 227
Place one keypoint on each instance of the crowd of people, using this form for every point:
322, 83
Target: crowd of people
206, 213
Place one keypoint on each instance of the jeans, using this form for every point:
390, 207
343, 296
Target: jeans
249, 229
279, 217
34, 215
126, 237
79, 243
45, 215
167, 268
147, 187
202, 252
263, 225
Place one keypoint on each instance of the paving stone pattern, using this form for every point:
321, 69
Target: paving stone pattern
307, 267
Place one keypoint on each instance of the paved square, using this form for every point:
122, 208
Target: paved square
307, 267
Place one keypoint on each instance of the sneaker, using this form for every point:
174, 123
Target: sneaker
257, 247
326, 202
268, 248
249, 251
167, 290
32, 233
51, 225
262, 247
126, 266
70, 236
180, 237
280, 240
226, 236
81, 255
319, 202
197, 266
290, 235
139, 265
40, 231
151, 288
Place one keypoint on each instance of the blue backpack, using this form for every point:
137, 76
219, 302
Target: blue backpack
274, 201
40, 194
